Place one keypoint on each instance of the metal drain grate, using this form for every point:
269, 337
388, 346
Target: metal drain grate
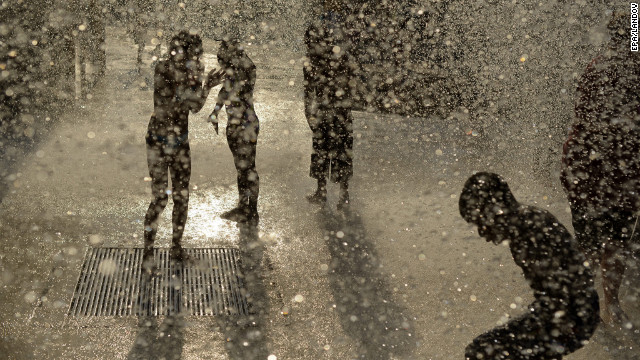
111, 283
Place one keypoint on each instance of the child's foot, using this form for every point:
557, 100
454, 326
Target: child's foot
252, 215
319, 197
343, 203
614, 316
237, 214
150, 271
179, 256
149, 268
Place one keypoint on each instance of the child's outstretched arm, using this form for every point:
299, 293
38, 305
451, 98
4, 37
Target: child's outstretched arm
213, 117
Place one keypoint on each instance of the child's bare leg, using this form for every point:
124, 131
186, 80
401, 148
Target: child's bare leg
613, 267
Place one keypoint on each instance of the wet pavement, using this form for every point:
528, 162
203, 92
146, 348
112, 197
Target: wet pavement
397, 276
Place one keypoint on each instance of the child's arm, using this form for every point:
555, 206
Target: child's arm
200, 90
213, 118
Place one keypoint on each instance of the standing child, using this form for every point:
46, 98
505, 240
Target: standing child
178, 90
243, 127
329, 86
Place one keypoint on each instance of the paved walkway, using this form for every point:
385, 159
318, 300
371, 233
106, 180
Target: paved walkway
401, 276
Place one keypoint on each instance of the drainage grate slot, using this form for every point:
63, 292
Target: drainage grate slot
111, 283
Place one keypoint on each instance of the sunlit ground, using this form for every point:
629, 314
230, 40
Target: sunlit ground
204, 226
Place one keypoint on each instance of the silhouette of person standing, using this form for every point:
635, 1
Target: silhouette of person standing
89, 37
328, 101
141, 15
243, 126
601, 173
178, 90
565, 311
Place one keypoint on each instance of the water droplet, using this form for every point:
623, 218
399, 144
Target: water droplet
31, 297
95, 239
107, 267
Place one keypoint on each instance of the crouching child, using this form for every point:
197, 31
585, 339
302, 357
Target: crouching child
565, 312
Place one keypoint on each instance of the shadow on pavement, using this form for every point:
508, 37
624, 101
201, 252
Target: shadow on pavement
15, 149
158, 341
381, 329
154, 340
245, 337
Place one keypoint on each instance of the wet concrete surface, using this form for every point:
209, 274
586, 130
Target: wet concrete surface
398, 276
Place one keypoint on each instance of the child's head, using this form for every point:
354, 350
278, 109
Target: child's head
486, 201
229, 53
185, 47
